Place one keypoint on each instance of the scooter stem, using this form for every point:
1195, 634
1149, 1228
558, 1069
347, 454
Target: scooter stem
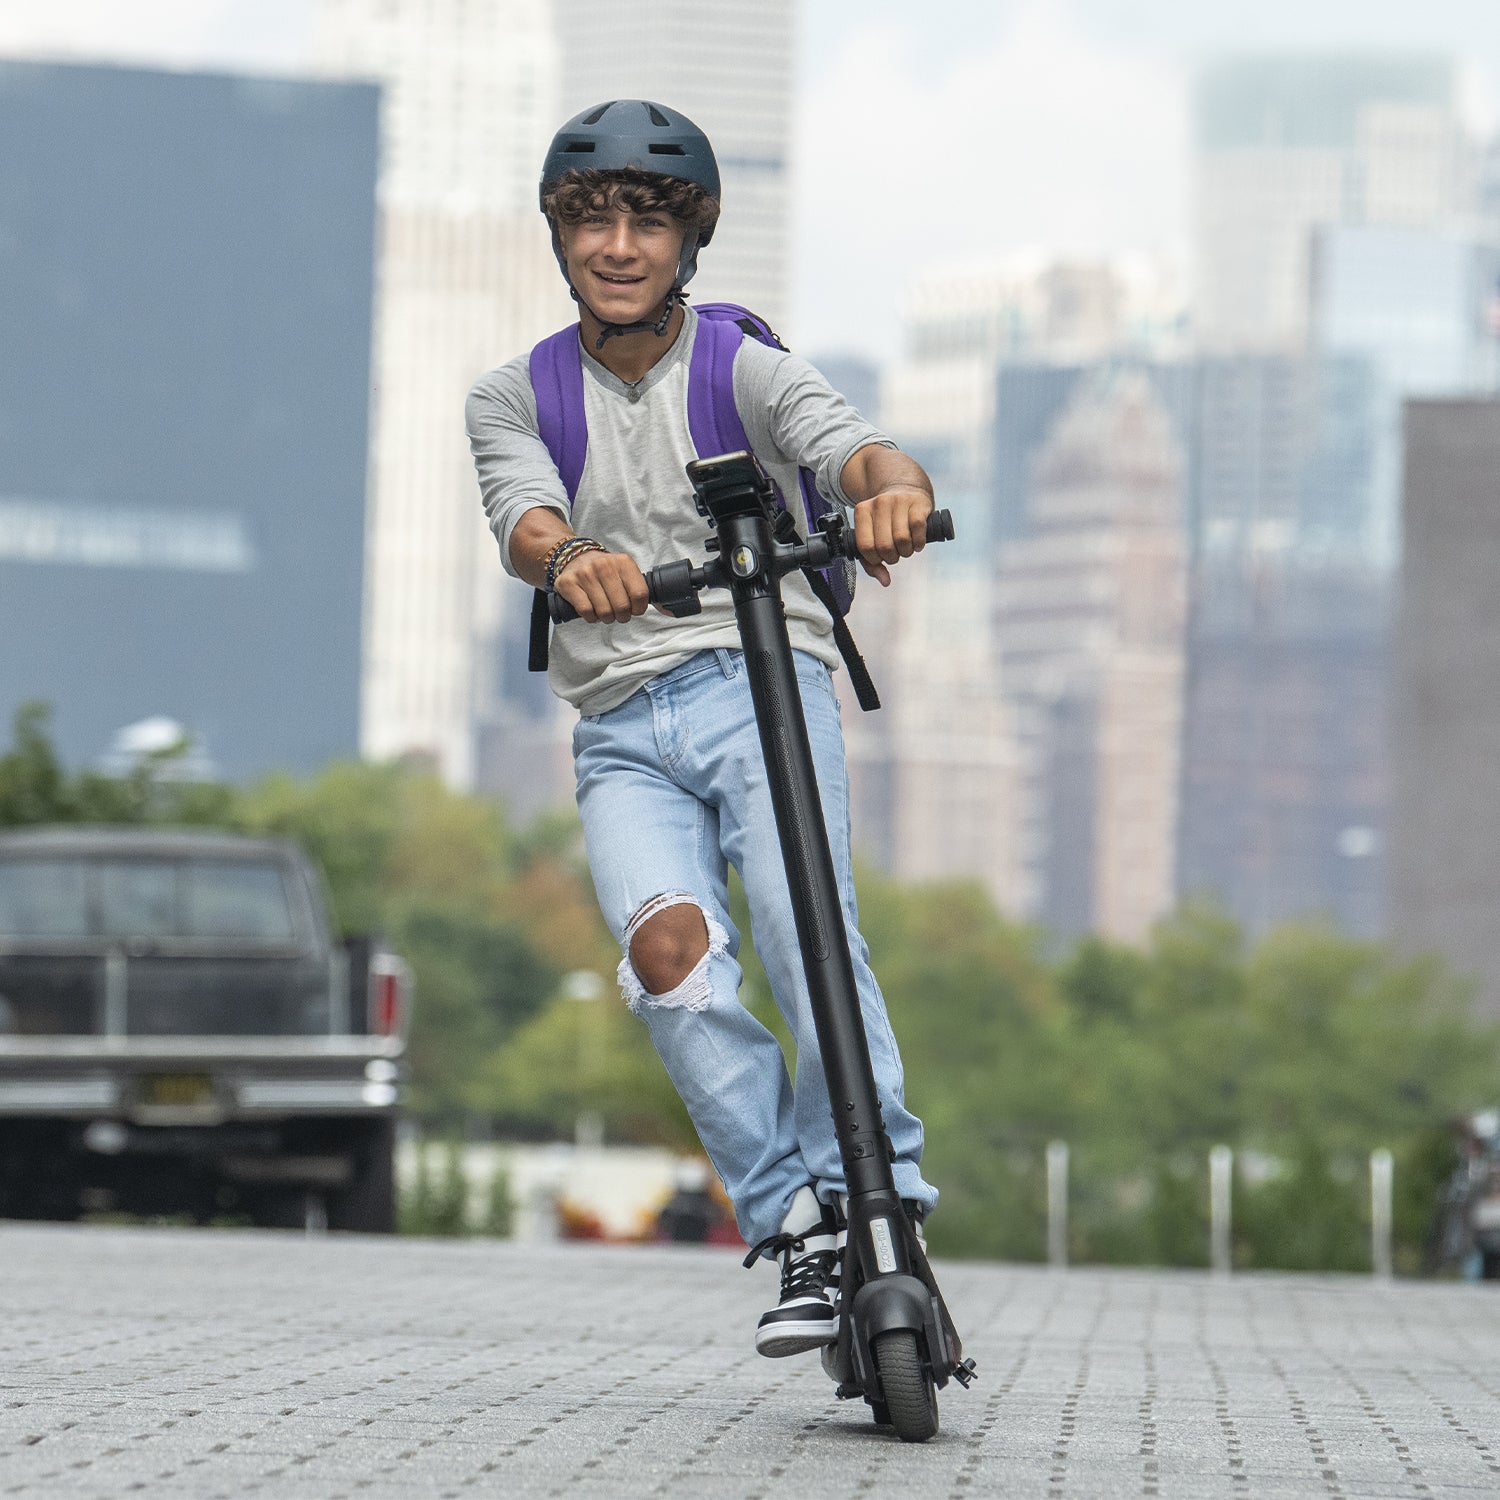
747, 546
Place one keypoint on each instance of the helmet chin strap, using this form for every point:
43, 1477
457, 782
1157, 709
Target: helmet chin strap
608, 330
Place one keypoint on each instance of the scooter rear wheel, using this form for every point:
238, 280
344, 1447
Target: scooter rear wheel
910, 1395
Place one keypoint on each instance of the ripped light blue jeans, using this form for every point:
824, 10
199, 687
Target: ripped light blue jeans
672, 790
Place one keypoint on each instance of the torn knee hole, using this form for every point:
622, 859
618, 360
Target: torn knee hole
666, 940
668, 943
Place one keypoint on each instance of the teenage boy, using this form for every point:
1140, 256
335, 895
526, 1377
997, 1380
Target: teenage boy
671, 784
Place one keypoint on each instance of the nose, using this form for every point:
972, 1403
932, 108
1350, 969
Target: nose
621, 244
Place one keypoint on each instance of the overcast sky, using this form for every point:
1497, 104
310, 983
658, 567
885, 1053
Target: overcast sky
950, 130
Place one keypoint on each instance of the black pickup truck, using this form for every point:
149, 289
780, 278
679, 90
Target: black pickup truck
181, 1034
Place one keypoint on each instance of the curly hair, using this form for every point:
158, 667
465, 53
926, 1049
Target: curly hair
581, 191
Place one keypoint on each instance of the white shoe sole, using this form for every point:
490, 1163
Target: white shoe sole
781, 1339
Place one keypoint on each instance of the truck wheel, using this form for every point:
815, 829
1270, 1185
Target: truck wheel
367, 1205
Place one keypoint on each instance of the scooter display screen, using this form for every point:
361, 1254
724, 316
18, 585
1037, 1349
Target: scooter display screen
731, 485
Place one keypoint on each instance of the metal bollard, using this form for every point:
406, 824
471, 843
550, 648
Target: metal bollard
1220, 1208
1382, 1182
1057, 1204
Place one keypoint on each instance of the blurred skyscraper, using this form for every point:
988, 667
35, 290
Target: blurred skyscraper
185, 297
1030, 397
947, 737
1419, 307
466, 280
1279, 451
1339, 268
1286, 754
1445, 877
933, 774
1284, 451
729, 67
966, 327
1290, 143
1090, 613
1285, 748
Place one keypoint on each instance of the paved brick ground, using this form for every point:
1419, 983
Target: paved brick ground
213, 1364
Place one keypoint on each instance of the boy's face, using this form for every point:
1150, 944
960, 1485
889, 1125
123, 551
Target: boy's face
622, 263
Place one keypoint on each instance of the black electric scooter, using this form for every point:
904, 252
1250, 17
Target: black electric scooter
897, 1345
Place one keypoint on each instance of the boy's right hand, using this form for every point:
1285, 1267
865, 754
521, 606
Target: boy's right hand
604, 587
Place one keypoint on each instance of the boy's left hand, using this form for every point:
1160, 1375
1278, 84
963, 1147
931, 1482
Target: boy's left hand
889, 526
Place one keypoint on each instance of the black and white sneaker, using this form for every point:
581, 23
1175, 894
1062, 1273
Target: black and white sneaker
810, 1245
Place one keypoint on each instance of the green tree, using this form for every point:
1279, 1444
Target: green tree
586, 1056
1304, 1051
980, 1025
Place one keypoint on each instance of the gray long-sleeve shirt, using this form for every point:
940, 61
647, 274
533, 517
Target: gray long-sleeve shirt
634, 496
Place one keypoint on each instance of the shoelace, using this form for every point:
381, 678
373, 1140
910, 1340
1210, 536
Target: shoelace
808, 1273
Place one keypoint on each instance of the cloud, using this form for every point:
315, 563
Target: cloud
1044, 137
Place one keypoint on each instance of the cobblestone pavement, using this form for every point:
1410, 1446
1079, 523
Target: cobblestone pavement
222, 1364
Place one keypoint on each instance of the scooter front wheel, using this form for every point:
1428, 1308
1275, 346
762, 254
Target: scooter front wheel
907, 1384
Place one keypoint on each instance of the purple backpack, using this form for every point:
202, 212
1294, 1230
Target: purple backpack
715, 427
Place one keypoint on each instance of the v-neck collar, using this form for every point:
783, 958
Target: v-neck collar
658, 372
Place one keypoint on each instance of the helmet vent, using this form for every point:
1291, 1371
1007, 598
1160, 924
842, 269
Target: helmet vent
665, 148
594, 116
657, 117
576, 146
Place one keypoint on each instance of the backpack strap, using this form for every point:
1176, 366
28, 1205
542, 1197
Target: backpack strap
713, 418
715, 427
557, 380
859, 674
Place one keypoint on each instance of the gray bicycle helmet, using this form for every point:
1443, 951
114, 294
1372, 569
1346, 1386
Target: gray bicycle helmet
651, 138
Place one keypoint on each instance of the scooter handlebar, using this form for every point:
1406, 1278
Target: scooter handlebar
940, 526
939, 529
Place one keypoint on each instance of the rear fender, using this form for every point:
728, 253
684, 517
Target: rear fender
889, 1304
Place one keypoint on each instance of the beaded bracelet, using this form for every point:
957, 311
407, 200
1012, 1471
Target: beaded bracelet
572, 552
567, 551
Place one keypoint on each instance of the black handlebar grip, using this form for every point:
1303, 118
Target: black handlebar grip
940, 526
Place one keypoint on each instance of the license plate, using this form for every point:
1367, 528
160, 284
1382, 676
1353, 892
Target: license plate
177, 1090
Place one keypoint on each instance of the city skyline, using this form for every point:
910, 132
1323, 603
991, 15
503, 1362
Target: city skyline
1102, 166
1324, 247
